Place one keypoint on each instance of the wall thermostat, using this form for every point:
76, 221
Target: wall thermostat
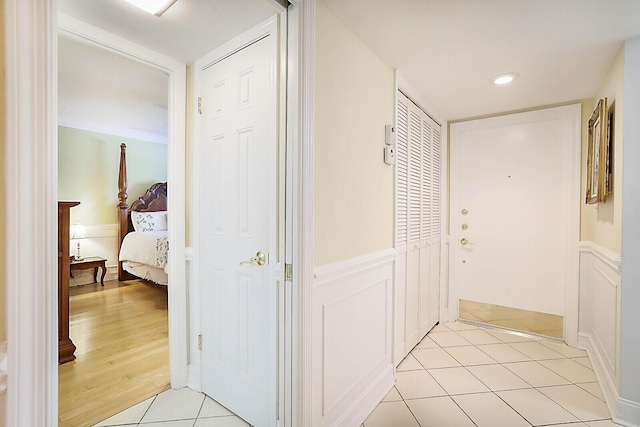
389, 134
390, 155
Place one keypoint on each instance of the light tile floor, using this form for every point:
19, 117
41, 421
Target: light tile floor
458, 375
176, 408
464, 375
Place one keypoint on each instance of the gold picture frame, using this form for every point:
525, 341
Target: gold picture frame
597, 154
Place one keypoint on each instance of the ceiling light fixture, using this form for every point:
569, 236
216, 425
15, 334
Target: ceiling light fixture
503, 79
154, 7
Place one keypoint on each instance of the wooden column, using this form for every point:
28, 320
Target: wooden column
66, 348
123, 210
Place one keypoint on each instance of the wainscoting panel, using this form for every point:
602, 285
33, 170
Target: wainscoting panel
599, 319
352, 338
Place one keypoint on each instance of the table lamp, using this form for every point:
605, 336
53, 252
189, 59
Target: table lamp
78, 232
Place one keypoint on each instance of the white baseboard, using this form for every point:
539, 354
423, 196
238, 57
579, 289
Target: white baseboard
600, 284
607, 384
628, 413
623, 411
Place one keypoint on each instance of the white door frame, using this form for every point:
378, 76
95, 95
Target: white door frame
300, 236
177, 291
31, 209
32, 250
573, 112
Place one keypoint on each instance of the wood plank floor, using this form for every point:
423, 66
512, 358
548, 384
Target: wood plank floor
122, 355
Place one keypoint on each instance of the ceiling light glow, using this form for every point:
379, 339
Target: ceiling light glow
154, 7
503, 79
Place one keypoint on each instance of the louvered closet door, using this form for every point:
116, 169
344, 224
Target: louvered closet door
402, 218
418, 152
414, 226
425, 226
434, 238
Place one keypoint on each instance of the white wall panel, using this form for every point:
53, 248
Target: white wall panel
400, 293
352, 338
599, 311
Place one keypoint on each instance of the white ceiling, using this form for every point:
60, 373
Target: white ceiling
447, 49
101, 91
188, 30
105, 92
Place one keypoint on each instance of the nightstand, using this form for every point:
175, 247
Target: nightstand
91, 262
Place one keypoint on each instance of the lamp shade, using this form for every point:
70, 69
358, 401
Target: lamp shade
78, 232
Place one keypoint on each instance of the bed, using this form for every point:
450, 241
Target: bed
142, 231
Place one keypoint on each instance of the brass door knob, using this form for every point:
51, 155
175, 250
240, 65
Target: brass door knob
259, 259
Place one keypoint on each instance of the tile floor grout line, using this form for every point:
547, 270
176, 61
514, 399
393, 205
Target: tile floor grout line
411, 412
514, 409
147, 410
463, 411
201, 406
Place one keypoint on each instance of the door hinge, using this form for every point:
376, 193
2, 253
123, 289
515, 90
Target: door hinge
288, 272
200, 105
199, 342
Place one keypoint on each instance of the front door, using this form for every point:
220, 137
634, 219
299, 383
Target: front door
237, 164
515, 202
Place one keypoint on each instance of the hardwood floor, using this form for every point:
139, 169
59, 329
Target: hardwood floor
122, 355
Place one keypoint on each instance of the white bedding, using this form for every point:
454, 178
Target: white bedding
146, 272
148, 247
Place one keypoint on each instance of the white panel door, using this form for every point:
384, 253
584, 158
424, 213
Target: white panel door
512, 196
237, 221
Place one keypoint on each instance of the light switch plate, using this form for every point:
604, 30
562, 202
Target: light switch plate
390, 134
390, 155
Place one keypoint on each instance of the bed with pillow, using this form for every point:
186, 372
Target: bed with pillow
142, 231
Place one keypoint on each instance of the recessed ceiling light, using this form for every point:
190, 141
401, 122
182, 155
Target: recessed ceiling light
503, 79
154, 7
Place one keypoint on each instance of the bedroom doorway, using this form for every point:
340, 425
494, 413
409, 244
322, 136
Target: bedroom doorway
237, 220
98, 112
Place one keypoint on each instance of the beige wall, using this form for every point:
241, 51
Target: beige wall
88, 164
602, 223
354, 99
3, 237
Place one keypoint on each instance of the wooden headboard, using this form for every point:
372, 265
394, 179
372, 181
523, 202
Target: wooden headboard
155, 199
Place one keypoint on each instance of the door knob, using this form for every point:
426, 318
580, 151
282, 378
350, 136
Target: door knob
259, 259
465, 242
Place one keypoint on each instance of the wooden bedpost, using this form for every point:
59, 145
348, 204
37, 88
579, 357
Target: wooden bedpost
123, 209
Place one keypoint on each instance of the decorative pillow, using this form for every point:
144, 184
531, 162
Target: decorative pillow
149, 221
